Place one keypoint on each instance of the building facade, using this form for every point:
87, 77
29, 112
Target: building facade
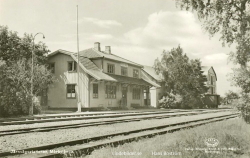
105, 80
211, 97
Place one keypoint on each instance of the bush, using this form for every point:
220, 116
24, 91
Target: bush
170, 100
15, 85
242, 104
37, 109
13, 104
245, 113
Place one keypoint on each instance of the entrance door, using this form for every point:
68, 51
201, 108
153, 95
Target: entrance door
146, 95
124, 96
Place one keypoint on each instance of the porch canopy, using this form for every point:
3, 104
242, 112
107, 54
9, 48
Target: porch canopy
130, 80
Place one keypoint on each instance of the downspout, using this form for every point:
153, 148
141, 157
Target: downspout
89, 90
102, 63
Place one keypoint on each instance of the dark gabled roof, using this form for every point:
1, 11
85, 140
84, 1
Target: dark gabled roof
92, 53
60, 51
88, 64
99, 75
130, 80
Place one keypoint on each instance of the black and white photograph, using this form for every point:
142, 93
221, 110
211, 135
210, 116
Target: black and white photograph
125, 78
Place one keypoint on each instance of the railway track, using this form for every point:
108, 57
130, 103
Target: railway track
87, 145
96, 123
83, 116
56, 118
37, 117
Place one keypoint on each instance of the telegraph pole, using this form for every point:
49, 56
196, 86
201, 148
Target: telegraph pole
78, 69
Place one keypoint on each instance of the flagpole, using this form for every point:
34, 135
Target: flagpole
78, 86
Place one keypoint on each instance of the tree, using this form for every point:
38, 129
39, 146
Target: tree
230, 18
230, 96
16, 83
14, 48
15, 70
182, 77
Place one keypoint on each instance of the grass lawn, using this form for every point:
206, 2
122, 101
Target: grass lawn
233, 141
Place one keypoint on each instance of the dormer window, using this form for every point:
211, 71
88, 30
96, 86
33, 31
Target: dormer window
111, 68
71, 66
136, 73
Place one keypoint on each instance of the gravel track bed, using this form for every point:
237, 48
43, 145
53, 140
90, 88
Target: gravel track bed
77, 122
79, 146
15, 142
48, 124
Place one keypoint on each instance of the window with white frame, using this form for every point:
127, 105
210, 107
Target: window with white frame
72, 66
111, 68
71, 92
110, 91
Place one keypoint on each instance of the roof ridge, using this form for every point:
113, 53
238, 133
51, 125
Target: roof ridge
64, 50
96, 54
127, 60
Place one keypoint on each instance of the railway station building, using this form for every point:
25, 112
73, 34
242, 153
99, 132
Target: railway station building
105, 80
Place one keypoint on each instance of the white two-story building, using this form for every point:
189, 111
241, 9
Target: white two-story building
105, 80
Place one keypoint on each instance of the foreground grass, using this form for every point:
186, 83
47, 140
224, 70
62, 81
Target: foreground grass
233, 136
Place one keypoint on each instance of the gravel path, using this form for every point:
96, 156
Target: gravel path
15, 142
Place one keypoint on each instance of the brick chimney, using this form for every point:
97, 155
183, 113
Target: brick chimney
97, 46
108, 49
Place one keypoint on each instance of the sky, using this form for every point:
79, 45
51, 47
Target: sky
138, 30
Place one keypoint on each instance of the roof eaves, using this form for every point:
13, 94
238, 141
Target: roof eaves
152, 83
147, 79
158, 80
